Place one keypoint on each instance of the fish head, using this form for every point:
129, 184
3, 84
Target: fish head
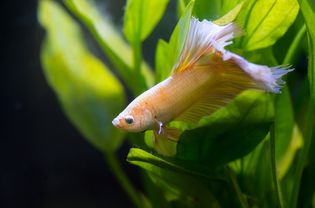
134, 120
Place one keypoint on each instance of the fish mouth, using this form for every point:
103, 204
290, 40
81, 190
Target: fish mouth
116, 122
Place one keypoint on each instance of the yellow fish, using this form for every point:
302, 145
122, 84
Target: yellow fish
205, 78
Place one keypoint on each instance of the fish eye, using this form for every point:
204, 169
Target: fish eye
129, 119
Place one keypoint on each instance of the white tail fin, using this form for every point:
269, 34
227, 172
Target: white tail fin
268, 78
206, 39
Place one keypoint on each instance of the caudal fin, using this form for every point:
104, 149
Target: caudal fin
206, 42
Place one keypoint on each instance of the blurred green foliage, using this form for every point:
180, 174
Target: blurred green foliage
83, 84
255, 152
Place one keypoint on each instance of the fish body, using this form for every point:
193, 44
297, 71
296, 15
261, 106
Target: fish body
168, 99
205, 78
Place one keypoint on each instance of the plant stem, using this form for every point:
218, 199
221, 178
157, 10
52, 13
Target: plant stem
237, 189
292, 49
137, 56
121, 177
274, 168
137, 59
308, 125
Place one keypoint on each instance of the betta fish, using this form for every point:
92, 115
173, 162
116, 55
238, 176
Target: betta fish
205, 78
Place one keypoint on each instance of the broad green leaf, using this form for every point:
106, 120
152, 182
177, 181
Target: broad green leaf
142, 158
265, 21
203, 10
113, 45
179, 185
89, 93
228, 5
141, 17
263, 56
230, 16
162, 64
168, 53
220, 148
213, 10
229, 133
243, 16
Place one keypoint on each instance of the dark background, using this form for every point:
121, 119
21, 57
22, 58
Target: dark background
44, 161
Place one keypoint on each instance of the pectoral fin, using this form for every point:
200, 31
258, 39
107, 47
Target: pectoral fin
165, 141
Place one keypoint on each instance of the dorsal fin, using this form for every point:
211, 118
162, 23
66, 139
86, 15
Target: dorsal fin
203, 39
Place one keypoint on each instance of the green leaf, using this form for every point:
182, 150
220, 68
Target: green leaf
174, 180
230, 16
229, 133
181, 5
163, 66
203, 10
113, 45
263, 56
168, 53
218, 8
220, 148
142, 158
265, 21
141, 17
89, 93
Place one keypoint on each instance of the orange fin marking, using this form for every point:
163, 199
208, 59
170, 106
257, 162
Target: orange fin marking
204, 38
